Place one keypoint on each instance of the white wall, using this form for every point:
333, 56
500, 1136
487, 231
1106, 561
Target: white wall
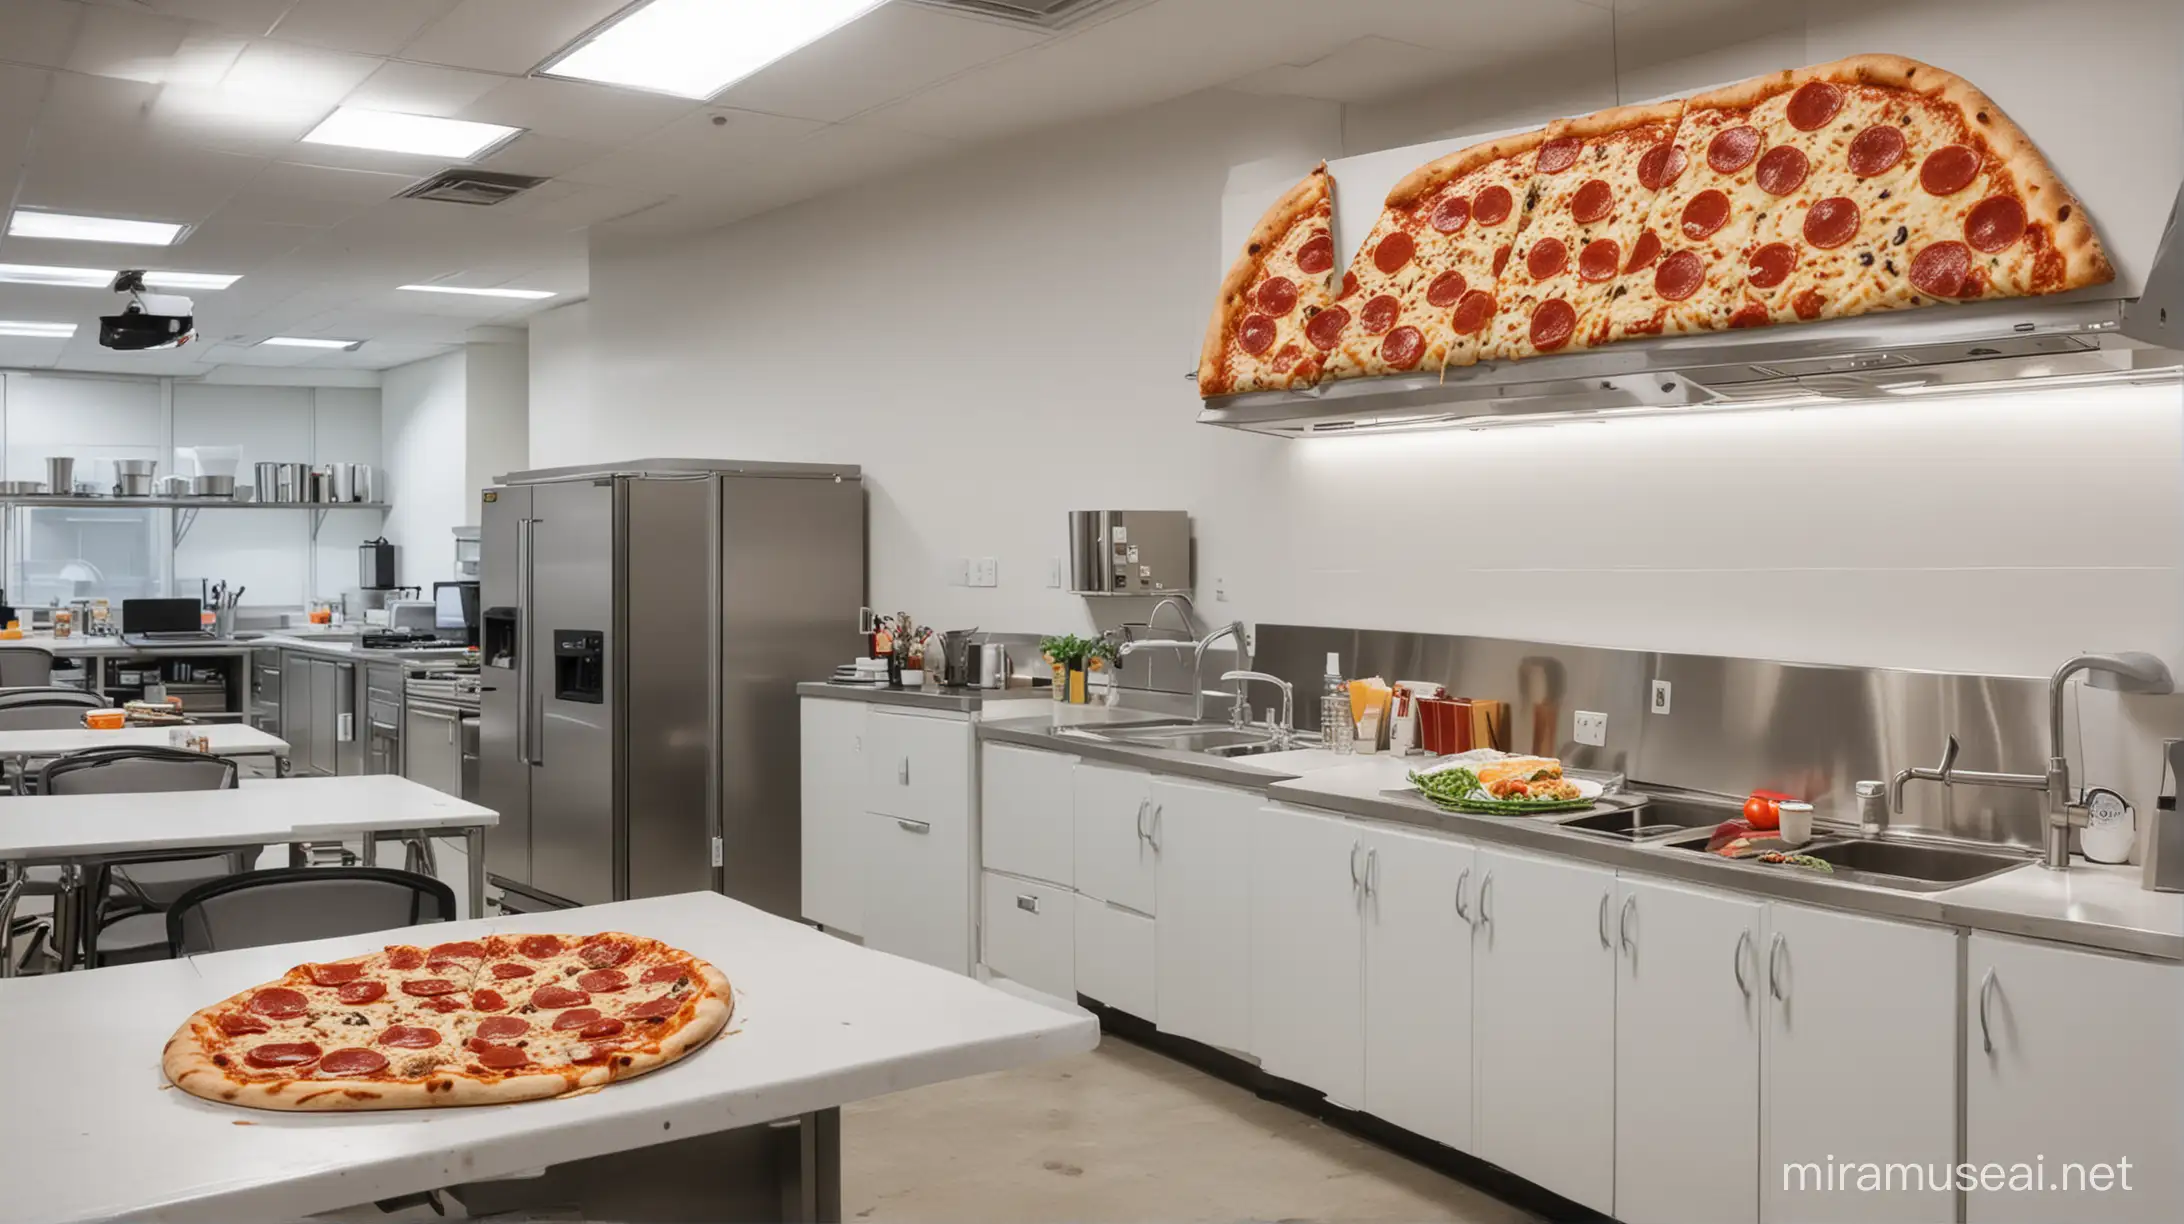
422, 410
1007, 339
496, 421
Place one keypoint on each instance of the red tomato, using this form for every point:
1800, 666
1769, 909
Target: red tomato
1761, 813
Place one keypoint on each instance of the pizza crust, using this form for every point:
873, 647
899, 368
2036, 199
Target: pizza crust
1440, 172
189, 1065
1309, 193
2047, 199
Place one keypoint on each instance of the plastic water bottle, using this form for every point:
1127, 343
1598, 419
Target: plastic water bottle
1338, 732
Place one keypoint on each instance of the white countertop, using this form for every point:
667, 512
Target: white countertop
818, 1023
298, 642
228, 740
79, 645
40, 828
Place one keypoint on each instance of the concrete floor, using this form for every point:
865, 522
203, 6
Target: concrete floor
1123, 1134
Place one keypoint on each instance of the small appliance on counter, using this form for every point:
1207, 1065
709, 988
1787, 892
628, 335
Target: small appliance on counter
1129, 552
455, 610
2162, 867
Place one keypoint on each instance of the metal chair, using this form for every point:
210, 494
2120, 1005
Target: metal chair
287, 904
148, 887
25, 666
46, 709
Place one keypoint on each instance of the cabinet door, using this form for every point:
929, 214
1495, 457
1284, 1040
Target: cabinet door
1859, 1054
326, 710
1307, 951
1205, 912
296, 714
1418, 891
1028, 932
1117, 951
430, 754
1687, 1017
831, 754
2085, 1071
918, 893
1025, 812
1116, 858
1543, 1025
920, 767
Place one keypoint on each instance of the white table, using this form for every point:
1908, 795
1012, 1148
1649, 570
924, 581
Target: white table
227, 740
86, 830
91, 1134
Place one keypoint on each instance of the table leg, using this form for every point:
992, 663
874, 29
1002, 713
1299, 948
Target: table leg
12, 877
811, 1188
64, 918
371, 849
474, 859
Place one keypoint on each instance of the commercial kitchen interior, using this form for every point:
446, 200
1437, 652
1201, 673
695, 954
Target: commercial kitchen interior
575, 383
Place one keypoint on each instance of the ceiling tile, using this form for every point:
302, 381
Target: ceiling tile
230, 120
127, 43
882, 56
39, 31
94, 112
695, 150
512, 36
298, 74
22, 94
227, 244
575, 205
1361, 71
250, 17
422, 89
330, 183
545, 156
21, 352
381, 27
578, 111
170, 184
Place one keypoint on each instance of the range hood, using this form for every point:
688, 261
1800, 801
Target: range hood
2091, 336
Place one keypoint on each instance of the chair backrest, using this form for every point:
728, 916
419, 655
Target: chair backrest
12, 696
117, 771
25, 665
45, 709
256, 908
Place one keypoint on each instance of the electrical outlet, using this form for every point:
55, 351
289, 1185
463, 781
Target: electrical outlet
1592, 728
1660, 697
1220, 590
985, 572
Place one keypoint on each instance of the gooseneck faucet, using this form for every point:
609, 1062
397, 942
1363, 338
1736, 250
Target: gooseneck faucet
1234, 631
2130, 672
1286, 734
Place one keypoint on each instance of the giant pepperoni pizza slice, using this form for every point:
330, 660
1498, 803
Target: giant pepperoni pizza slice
1685, 268
1256, 340
1421, 291
1591, 196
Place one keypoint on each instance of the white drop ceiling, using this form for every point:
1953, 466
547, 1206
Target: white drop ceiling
192, 111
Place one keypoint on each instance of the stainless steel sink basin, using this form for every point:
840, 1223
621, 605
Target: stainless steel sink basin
1187, 739
1632, 824
1909, 865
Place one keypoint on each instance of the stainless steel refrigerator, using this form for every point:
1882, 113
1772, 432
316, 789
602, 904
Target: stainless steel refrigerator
644, 626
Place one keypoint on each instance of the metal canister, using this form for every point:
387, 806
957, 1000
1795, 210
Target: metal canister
340, 482
60, 475
267, 481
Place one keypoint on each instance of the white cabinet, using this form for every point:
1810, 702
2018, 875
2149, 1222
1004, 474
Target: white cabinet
921, 869
832, 756
1687, 1020
1859, 1058
1116, 855
1307, 954
1419, 895
1543, 1025
1204, 903
1025, 803
1117, 955
2074, 1058
1029, 933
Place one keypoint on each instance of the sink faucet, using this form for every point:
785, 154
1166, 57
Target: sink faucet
1233, 631
2129, 672
1288, 731
1182, 606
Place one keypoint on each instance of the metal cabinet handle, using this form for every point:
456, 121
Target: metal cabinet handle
1143, 806
1604, 921
914, 826
1356, 881
1736, 959
1461, 879
1372, 870
902, 771
1622, 925
1774, 952
523, 640
1028, 904
1986, 988
1152, 826
1486, 898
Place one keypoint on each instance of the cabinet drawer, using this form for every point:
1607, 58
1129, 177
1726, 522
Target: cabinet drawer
918, 890
1117, 958
1024, 812
920, 767
1029, 931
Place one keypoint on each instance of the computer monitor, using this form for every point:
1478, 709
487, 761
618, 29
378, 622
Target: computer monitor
455, 610
161, 616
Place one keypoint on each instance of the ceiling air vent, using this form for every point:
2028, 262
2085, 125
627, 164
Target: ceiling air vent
482, 187
1035, 14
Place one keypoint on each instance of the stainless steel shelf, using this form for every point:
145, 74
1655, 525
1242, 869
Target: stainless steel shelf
180, 503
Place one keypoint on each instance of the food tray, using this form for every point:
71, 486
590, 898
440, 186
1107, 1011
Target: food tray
1580, 807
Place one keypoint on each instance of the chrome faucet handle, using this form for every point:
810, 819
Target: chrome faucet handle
1948, 760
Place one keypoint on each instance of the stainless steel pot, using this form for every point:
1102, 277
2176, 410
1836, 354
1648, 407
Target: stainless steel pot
294, 483
132, 486
212, 486
172, 486
21, 488
267, 480
994, 666
60, 473
341, 482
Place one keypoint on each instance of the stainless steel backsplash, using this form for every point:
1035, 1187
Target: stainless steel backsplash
1732, 725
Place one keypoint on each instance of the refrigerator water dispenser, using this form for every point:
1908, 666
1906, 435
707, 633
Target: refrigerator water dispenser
580, 666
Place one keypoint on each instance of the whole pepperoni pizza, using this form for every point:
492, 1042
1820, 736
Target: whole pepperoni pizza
1871, 183
472, 1022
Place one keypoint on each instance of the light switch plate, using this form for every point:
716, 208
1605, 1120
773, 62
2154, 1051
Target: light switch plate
985, 572
1660, 697
1592, 728
1054, 573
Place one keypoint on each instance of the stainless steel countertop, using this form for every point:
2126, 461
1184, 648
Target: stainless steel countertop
959, 700
2092, 905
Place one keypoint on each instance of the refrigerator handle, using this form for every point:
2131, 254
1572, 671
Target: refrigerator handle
716, 649
524, 663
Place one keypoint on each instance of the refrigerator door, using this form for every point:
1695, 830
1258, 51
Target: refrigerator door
792, 560
671, 576
574, 681
504, 772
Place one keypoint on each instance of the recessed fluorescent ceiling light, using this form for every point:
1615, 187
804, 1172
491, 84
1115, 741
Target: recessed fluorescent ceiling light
309, 342
100, 278
26, 224
41, 331
356, 128
528, 295
696, 48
